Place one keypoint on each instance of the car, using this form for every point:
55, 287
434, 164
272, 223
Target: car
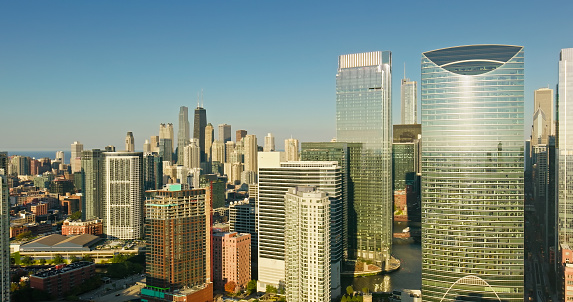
117, 295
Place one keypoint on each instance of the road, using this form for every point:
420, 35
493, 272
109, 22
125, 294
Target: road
131, 291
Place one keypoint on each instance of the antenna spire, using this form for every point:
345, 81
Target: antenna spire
197, 99
404, 70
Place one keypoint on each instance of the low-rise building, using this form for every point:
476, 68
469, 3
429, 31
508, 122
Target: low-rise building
92, 227
60, 280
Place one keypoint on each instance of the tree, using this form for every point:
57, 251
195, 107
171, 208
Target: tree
75, 215
24, 235
42, 261
230, 287
251, 286
365, 290
88, 258
349, 290
271, 289
27, 260
74, 259
58, 259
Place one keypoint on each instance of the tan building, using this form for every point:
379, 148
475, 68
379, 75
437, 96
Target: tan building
543, 123
291, 149
251, 151
92, 227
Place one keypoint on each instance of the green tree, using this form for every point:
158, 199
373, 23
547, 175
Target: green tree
251, 287
74, 259
271, 289
349, 290
17, 258
88, 258
365, 290
75, 215
58, 259
42, 261
27, 260
24, 235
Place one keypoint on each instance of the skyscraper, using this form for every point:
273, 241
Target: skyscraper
209, 138
92, 190
363, 108
472, 173
76, 157
182, 132
123, 195
129, 142
291, 149
199, 124
251, 150
543, 116
4, 234
565, 143
166, 142
409, 101
192, 155
307, 246
224, 133
269, 143
240, 134
146, 147
275, 178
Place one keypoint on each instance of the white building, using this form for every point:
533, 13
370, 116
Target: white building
269, 143
291, 149
409, 101
192, 155
123, 195
307, 243
76, 157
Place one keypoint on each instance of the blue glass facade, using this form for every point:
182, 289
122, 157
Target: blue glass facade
472, 173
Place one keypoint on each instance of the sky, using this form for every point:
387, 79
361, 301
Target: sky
90, 71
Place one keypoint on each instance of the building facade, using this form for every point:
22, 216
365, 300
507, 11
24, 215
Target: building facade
565, 145
409, 101
4, 231
129, 142
363, 115
269, 143
183, 133
76, 157
231, 259
166, 142
92, 190
199, 124
307, 243
291, 149
224, 133
472, 173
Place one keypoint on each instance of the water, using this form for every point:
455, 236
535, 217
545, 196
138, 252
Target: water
409, 276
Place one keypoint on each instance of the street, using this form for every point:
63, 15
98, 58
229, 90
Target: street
116, 287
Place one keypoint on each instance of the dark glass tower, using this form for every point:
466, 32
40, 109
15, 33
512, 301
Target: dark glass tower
199, 129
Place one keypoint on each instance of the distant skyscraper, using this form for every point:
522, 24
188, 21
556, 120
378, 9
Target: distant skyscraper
472, 174
166, 142
229, 150
269, 143
92, 190
291, 149
565, 142
240, 134
409, 91
183, 133
307, 220
543, 121
251, 150
218, 152
178, 264
152, 171
76, 157
129, 142
275, 178
123, 195
224, 133
200, 122
4, 234
154, 142
146, 147
242, 220
192, 155
406, 167
61, 157
363, 115
209, 138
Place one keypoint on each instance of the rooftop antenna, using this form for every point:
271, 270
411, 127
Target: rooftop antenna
197, 99
404, 70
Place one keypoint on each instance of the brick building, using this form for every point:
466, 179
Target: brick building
231, 259
92, 227
60, 280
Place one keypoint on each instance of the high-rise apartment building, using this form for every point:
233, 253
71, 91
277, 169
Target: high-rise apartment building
242, 220
218, 152
4, 233
166, 142
275, 177
178, 265
409, 101
92, 190
565, 143
146, 147
192, 155
363, 115
231, 259
199, 124
183, 134
123, 195
209, 138
251, 150
240, 134
269, 143
154, 142
472, 173
152, 171
224, 133
307, 244
229, 150
291, 149
129, 142
76, 157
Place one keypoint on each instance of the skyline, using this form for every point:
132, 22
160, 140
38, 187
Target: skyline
252, 59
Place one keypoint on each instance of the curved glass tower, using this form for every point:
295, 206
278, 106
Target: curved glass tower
472, 173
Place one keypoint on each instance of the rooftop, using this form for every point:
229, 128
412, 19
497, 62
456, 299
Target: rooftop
68, 268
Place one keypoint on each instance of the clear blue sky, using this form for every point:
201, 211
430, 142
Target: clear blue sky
93, 70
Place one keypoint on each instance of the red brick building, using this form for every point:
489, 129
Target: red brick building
59, 281
39, 209
92, 227
231, 259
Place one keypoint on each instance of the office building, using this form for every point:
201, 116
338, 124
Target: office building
123, 195
242, 220
406, 168
4, 231
92, 227
230, 151
218, 152
199, 124
76, 157
92, 190
231, 259
472, 173
209, 138
291, 149
129, 142
409, 101
154, 142
543, 117
250, 152
239, 134
178, 265
166, 142
269, 143
152, 171
275, 178
183, 134
565, 146
307, 244
224, 133
146, 147
363, 115
192, 155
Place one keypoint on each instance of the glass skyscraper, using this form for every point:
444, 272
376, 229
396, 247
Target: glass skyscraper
363, 115
565, 144
472, 173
